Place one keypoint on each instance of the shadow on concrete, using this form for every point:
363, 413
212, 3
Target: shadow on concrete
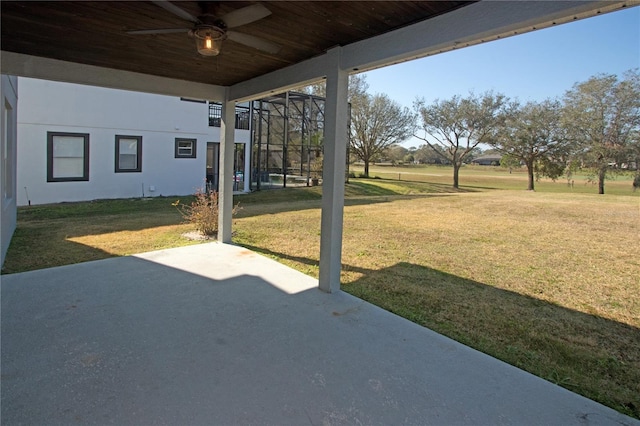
544, 338
216, 334
130, 341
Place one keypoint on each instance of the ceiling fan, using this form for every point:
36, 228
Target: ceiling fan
210, 31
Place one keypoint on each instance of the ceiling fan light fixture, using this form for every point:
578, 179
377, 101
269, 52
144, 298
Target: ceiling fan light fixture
208, 46
208, 40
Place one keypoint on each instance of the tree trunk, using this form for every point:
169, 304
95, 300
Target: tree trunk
366, 168
456, 169
601, 175
531, 186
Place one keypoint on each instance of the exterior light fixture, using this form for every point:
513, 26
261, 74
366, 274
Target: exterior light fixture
208, 39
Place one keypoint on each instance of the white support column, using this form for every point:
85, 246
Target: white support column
333, 172
227, 145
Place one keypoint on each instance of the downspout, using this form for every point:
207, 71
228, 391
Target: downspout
304, 122
248, 151
258, 162
268, 142
285, 140
310, 140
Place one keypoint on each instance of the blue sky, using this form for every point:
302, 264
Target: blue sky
533, 66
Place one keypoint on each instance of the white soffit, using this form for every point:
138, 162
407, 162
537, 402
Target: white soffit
22, 65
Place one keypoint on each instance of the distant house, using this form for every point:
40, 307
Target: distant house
487, 160
79, 143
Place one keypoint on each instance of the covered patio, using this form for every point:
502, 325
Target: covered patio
216, 334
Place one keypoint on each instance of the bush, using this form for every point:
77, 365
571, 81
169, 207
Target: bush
203, 212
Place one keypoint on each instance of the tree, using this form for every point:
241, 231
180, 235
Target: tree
430, 155
533, 133
377, 122
509, 162
634, 157
602, 114
459, 124
396, 153
358, 86
408, 158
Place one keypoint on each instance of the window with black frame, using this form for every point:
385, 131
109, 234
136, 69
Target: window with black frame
67, 157
128, 154
185, 148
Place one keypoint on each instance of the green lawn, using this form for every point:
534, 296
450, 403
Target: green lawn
543, 280
489, 177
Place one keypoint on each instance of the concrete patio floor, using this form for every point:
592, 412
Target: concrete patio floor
215, 334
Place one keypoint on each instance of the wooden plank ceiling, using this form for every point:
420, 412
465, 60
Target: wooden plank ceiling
95, 33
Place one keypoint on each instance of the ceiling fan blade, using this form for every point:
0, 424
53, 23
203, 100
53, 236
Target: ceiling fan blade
245, 15
255, 42
159, 31
170, 7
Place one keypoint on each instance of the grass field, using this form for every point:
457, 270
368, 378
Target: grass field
487, 177
546, 281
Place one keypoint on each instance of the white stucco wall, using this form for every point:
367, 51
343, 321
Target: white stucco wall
8, 150
47, 106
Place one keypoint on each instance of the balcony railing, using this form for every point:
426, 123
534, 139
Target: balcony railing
242, 116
